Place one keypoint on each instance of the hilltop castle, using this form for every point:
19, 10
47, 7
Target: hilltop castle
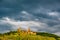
27, 32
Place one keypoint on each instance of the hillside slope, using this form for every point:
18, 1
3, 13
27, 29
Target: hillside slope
14, 35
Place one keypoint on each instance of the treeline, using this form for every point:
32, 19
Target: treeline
48, 34
8, 33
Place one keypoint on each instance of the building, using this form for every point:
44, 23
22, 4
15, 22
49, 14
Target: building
30, 32
26, 32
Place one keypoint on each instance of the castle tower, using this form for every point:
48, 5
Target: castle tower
18, 30
29, 30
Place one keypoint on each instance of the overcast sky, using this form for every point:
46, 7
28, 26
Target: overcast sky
39, 15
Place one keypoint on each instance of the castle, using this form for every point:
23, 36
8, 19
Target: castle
26, 32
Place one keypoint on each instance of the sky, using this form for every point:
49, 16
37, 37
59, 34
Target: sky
39, 15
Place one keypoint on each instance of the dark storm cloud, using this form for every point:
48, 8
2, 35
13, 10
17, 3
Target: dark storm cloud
28, 5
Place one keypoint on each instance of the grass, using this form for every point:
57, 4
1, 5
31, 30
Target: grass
26, 37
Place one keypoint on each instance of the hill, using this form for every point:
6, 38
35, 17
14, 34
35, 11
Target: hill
28, 35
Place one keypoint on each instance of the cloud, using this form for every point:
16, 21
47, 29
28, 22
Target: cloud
8, 24
53, 13
13, 24
25, 16
57, 33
